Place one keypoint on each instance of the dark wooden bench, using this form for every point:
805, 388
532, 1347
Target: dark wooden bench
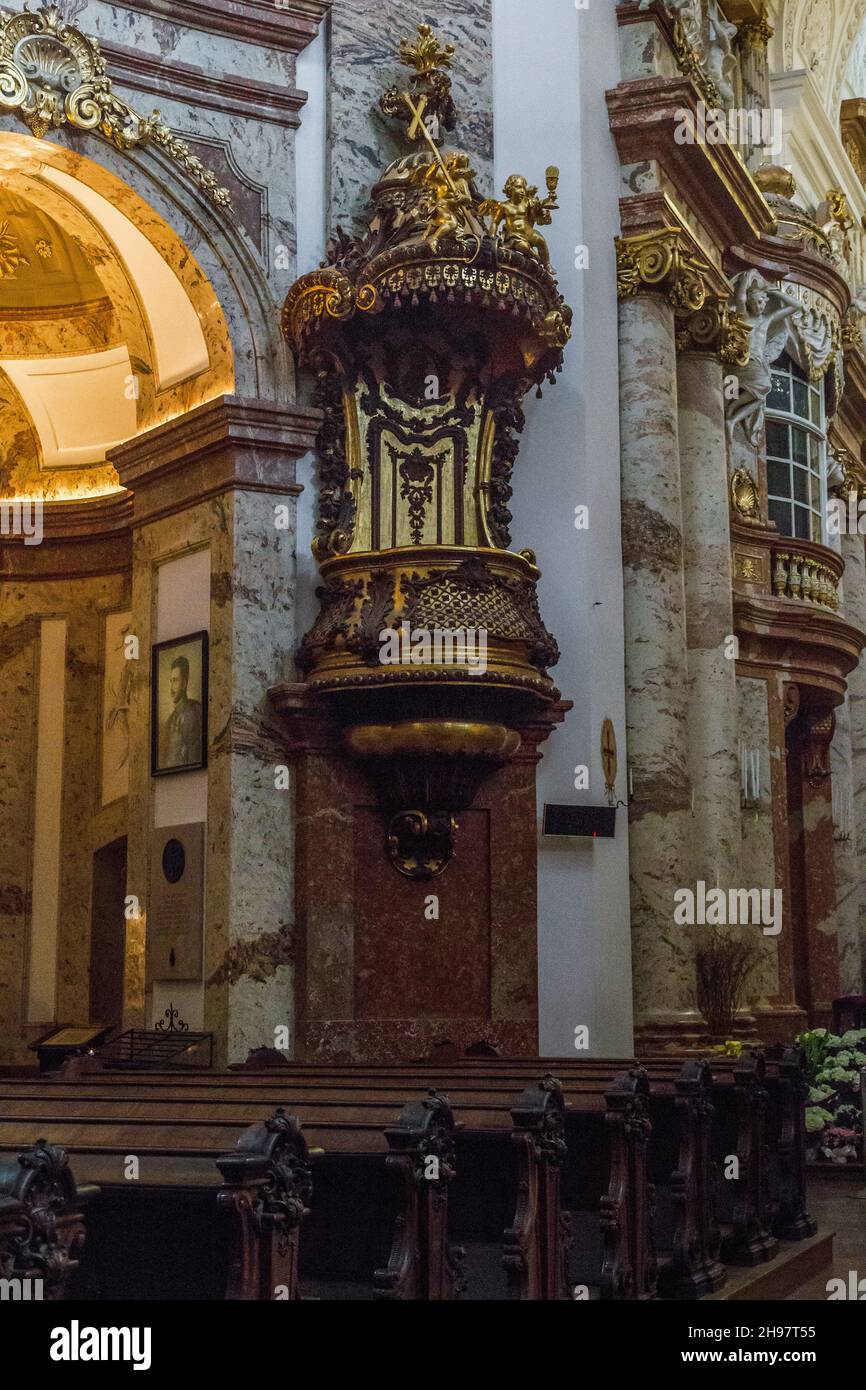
600, 1121
519, 1131
787, 1090
390, 1238
41, 1219
754, 1113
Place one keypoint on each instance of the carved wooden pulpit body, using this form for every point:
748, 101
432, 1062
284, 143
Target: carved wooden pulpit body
426, 689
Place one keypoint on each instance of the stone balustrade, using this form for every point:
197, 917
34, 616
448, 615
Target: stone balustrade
810, 578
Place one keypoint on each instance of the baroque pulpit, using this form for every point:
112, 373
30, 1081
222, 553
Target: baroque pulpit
425, 692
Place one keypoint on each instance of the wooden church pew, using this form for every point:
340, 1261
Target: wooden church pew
511, 1136
758, 1120
41, 1219
605, 1176
393, 1238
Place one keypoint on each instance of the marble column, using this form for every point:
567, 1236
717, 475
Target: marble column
851, 722
656, 671
712, 725
820, 916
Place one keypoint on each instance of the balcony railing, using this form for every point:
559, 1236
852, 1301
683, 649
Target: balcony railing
808, 577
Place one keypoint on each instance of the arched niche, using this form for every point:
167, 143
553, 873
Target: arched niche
189, 291
181, 311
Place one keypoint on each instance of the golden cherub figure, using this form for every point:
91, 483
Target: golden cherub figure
448, 202
522, 213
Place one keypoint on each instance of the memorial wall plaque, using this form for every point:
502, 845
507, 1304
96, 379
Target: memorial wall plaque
176, 902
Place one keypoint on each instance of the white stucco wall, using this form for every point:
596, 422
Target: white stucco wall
552, 66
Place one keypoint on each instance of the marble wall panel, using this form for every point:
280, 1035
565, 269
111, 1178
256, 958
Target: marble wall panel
248, 846
85, 825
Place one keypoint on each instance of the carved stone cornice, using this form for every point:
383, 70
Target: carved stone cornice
779, 258
808, 645
226, 444
288, 26
80, 540
148, 73
716, 328
710, 181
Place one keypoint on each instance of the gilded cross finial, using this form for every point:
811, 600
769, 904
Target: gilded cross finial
426, 53
427, 108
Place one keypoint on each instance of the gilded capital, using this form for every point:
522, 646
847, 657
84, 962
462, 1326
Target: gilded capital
658, 261
756, 33
716, 328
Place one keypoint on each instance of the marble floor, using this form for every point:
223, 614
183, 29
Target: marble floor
838, 1204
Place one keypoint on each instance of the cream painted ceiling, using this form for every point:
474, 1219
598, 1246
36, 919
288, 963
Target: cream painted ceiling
95, 328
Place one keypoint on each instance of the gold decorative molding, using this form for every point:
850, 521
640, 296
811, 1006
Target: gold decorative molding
658, 260
837, 206
775, 178
52, 75
719, 329
748, 569
690, 65
852, 125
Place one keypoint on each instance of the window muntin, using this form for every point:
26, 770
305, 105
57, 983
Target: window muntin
796, 452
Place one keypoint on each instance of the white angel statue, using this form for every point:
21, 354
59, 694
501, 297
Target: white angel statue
721, 58
689, 12
766, 309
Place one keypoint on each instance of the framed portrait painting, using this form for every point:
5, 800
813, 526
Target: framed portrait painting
178, 705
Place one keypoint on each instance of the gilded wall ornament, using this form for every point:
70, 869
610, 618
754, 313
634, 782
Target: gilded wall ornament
756, 33
11, 255
52, 75
745, 498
